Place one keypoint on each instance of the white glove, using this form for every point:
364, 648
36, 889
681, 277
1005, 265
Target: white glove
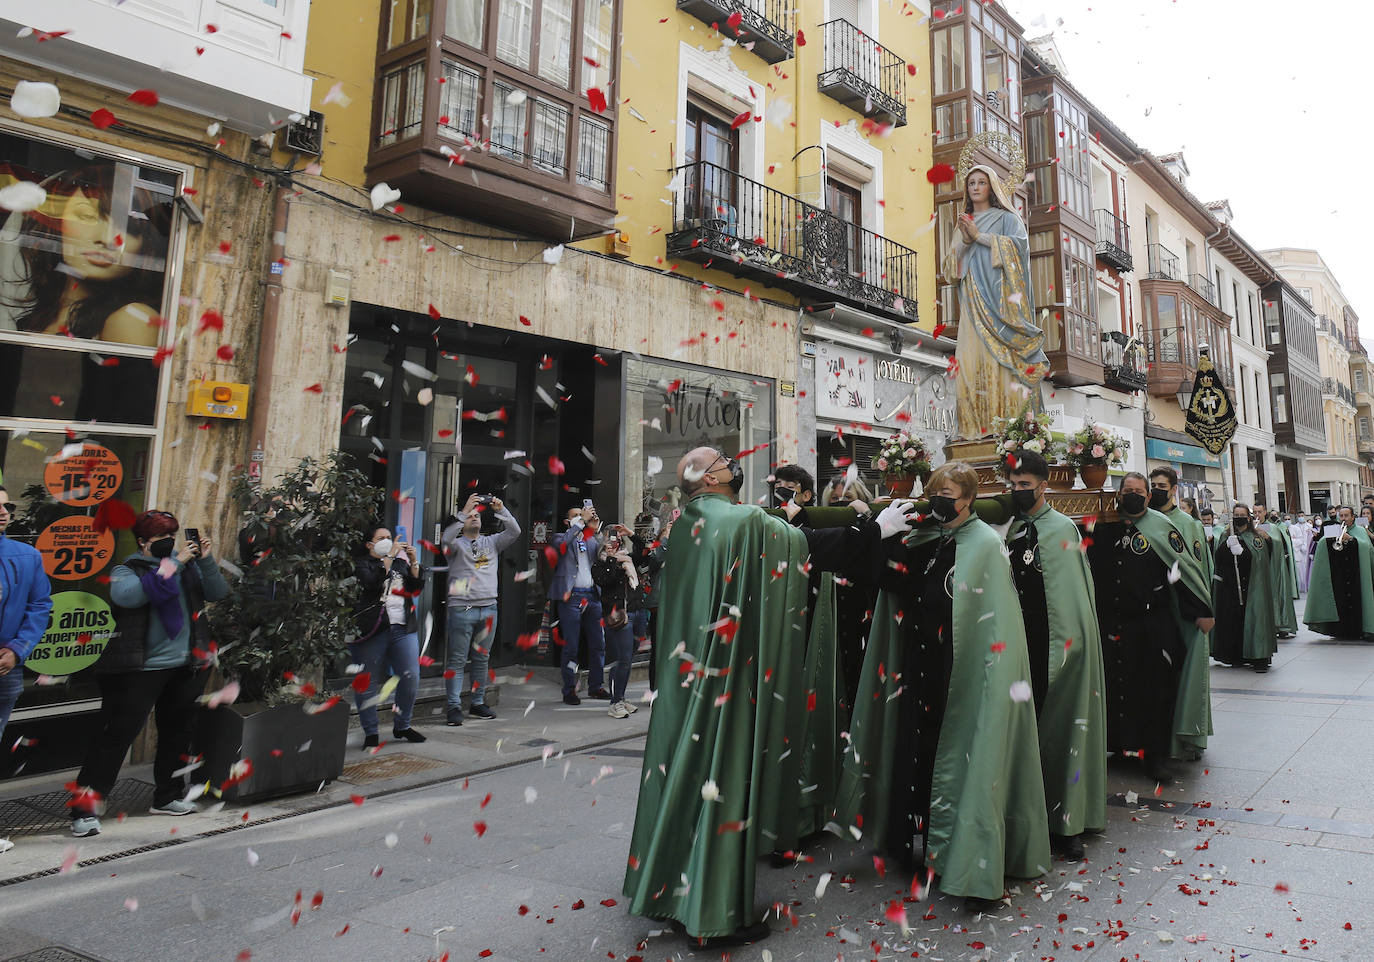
1234, 544
895, 519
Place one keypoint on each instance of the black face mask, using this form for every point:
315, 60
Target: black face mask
162, 548
782, 496
1132, 503
943, 509
736, 475
1158, 498
1239, 523
1024, 500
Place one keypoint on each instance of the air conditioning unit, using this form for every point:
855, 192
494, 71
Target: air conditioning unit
306, 136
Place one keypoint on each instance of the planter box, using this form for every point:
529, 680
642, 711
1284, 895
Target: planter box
231, 732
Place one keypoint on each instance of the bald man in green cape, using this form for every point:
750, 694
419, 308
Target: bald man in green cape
1051, 573
1340, 596
722, 761
1283, 572
943, 742
1193, 709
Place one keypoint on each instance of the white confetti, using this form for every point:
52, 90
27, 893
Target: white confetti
1020, 691
131, 904
252, 857
22, 196
530, 795
553, 255
35, 99
383, 194
391, 840
419, 370
710, 792
653, 466
821, 884
424, 396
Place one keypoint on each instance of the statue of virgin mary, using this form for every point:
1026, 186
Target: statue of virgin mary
1000, 349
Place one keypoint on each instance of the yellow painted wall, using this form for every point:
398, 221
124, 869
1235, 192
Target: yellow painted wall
341, 48
653, 31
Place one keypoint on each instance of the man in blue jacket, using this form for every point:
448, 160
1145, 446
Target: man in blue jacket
577, 602
24, 608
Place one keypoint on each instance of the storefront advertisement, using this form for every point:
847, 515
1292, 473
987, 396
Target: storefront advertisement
844, 383
673, 408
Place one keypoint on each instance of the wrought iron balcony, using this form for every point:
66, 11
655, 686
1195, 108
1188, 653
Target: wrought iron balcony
1113, 241
731, 223
1163, 263
766, 26
1203, 286
1123, 362
861, 73
1332, 387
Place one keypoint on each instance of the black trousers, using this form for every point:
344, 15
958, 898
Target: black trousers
126, 698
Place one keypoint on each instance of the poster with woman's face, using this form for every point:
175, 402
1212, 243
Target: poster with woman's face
89, 261
83, 256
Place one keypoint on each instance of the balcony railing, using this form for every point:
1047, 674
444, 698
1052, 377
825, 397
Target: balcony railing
768, 26
1123, 362
1163, 263
1113, 240
1367, 445
735, 224
1204, 287
1328, 327
1331, 387
862, 73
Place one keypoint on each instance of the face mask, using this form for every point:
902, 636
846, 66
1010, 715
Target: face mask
1024, 500
736, 475
162, 548
1132, 503
1158, 498
382, 548
943, 509
1240, 522
782, 496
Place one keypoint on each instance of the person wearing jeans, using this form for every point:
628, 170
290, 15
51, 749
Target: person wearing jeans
615, 576
389, 577
578, 603
24, 608
158, 596
473, 582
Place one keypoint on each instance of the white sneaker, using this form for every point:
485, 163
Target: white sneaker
618, 710
5, 845
630, 707
177, 806
85, 826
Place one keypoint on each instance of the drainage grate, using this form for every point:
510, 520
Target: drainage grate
387, 766
538, 742
52, 953
47, 812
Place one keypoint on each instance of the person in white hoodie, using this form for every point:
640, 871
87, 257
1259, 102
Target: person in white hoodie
473, 579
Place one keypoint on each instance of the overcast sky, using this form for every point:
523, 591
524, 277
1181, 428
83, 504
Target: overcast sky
1267, 100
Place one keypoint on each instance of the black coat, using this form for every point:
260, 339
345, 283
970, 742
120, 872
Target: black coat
369, 614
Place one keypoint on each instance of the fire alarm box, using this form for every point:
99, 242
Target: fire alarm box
218, 399
618, 244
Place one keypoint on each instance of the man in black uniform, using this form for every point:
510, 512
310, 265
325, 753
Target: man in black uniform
1139, 610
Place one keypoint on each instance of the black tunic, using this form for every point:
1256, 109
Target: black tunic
1029, 577
1228, 636
1142, 648
923, 580
1345, 587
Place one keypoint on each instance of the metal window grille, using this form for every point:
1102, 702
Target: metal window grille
508, 120
594, 154
402, 103
460, 108
550, 138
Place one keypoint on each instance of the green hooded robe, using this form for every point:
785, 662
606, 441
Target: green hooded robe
720, 781
1259, 640
1320, 613
1283, 573
1073, 722
1193, 710
987, 809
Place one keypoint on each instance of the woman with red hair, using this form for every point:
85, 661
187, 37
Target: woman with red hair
159, 596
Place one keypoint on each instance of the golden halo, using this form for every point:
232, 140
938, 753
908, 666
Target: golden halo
1001, 143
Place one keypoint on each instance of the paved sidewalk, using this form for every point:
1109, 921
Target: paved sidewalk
1263, 850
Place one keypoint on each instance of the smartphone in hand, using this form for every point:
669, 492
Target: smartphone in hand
401, 534
193, 539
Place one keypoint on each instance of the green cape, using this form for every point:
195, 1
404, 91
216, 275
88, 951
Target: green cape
1073, 722
731, 626
821, 746
1193, 710
1320, 613
1284, 575
987, 818
1260, 638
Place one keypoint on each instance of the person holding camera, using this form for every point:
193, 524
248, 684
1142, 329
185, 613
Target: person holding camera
616, 578
389, 579
577, 602
473, 579
159, 596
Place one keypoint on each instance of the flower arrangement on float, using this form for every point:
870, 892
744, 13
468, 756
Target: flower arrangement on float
901, 459
1093, 449
1025, 430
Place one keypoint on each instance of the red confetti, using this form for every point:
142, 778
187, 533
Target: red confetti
225, 352
434, 312
998, 647
556, 466
113, 515
579, 905
316, 388
525, 320
610, 903
211, 320
740, 120
102, 118
523, 910
362, 681
801, 39
940, 174
596, 100
148, 98
357, 799
225, 247
911, 69
487, 799
480, 828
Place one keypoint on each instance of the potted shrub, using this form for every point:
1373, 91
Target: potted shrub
1026, 430
287, 617
1092, 449
901, 460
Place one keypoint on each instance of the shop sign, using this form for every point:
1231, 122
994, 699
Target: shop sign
85, 478
1181, 453
844, 383
79, 627
73, 549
